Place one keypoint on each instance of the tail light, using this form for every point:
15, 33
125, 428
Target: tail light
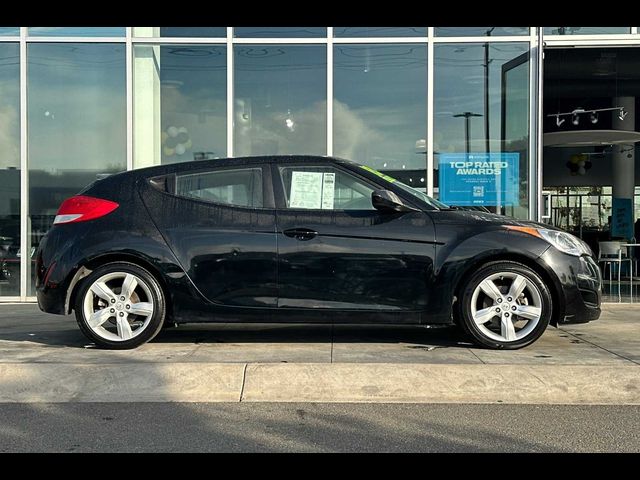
82, 208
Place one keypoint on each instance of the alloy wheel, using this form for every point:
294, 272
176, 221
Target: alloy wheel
118, 306
506, 306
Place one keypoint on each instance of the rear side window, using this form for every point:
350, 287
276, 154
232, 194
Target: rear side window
239, 187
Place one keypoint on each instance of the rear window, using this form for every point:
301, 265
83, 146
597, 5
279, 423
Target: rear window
238, 187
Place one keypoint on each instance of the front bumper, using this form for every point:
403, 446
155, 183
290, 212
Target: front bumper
578, 284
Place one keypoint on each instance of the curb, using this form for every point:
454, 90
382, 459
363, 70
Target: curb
365, 383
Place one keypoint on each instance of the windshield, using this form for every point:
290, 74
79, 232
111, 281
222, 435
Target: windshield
410, 190
422, 196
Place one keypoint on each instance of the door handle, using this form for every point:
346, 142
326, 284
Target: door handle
301, 233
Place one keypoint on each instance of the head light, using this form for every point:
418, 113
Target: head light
563, 241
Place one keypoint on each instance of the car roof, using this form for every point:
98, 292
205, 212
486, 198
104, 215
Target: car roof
165, 169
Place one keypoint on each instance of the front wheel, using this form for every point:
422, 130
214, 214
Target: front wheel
505, 305
120, 306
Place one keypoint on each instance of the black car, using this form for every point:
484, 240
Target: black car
302, 239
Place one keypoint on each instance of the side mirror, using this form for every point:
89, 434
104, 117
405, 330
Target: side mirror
389, 202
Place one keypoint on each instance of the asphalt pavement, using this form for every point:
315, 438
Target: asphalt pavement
313, 427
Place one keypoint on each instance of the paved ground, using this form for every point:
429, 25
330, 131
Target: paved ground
318, 388
28, 335
45, 358
312, 427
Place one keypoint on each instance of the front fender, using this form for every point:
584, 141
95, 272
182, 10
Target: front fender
461, 252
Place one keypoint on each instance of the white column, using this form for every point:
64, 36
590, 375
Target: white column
623, 160
146, 106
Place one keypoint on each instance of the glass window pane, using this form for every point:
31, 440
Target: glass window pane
324, 188
280, 99
9, 169
379, 31
480, 31
77, 123
276, 32
380, 108
481, 126
180, 107
77, 31
585, 30
240, 187
180, 32
9, 31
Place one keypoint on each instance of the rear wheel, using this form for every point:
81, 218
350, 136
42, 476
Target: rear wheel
505, 305
120, 306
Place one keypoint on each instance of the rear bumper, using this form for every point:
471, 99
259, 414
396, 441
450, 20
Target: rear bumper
50, 288
52, 301
579, 286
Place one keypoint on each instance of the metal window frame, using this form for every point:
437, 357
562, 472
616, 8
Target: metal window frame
25, 267
430, 112
535, 40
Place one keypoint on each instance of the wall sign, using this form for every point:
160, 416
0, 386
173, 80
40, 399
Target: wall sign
486, 179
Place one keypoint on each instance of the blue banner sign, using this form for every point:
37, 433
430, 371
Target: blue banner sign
622, 218
468, 179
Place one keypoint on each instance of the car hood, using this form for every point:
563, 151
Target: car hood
472, 217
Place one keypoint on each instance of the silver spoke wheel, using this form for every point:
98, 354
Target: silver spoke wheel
118, 306
506, 306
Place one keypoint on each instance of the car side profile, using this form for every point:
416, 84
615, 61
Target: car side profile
302, 239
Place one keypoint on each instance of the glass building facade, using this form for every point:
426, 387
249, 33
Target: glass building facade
80, 102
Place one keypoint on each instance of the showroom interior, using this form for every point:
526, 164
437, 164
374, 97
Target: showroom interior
552, 110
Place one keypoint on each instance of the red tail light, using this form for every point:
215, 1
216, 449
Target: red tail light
82, 208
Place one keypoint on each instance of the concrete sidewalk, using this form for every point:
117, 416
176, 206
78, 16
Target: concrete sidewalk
45, 358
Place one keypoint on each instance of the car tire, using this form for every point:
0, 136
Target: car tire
116, 313
504, 305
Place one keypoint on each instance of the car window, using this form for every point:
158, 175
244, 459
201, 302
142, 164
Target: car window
324, 188
240, 187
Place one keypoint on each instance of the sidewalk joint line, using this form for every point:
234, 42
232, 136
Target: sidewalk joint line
332, 340
331, 357
475, 355
598, 346
244, 379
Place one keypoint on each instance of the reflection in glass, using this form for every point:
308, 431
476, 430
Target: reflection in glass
77, 123
77, 31
9, 31
179, 95
480, 31
283, 32
481, 105
585, 30
179, 32
379, 31
280, 99
380, 108
9, 169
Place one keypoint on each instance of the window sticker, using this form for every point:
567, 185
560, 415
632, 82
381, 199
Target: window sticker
380, 174
306, 190
328, 190
312, 190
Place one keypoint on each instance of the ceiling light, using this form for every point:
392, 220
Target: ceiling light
593, 117
575, 119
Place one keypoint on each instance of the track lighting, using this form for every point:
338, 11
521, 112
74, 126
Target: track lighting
623, 113
593, 114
